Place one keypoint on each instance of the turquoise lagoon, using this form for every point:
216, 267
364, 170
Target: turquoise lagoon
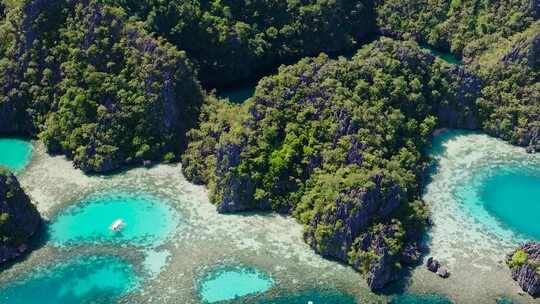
231, 282
148, 221
85, 279
512, 195
15, 153
503, 197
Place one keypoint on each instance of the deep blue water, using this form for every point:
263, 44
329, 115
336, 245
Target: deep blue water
231, 282
86, 279
315, 296
420, 299
148, 221
15, 153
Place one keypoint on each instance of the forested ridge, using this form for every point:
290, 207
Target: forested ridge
232, 40
338, 144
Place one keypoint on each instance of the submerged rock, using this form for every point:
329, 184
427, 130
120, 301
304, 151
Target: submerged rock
524, 263
19, 218
433, 265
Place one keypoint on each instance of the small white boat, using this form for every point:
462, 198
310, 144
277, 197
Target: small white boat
117, 225
310, 302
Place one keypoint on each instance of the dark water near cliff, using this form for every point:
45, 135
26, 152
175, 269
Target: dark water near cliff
238, 94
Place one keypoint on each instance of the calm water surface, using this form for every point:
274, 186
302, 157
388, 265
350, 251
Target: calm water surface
86, 279
227, 283
148, 221
15, 153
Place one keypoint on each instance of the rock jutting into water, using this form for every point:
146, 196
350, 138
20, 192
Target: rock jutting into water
302, 147
524, 263
19, 218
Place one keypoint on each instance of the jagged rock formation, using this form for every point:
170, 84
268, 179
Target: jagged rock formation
524, 263
310, 143
19, 218
510, 104
525, 50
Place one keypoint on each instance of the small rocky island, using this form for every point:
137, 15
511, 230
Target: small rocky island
524, 263
19, 218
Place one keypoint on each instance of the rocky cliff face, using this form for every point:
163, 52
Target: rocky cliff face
525, 50
460, 111
19, 218
355, 210
524, 263
523, 62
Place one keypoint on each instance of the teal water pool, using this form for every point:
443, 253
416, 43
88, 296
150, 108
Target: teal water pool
238, 95
86, 279
510, 193
15, 153
315, 296
231, 282
148, 220
428, 298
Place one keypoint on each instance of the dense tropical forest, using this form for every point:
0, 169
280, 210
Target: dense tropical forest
339, 144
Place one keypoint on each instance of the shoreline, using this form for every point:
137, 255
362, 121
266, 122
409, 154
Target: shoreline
271, 242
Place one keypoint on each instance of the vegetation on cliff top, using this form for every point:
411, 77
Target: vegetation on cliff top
97, 86
463, 27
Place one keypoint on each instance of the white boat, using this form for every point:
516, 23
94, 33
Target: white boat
310, 302
117, 225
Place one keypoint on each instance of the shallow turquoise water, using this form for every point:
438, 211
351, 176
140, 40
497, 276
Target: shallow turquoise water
86, 279
238, 95
512, 195
420, 299
148, 221
228, 283
15, 153
317, 297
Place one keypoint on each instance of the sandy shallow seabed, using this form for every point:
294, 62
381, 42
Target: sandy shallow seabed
203, 238
272, 243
